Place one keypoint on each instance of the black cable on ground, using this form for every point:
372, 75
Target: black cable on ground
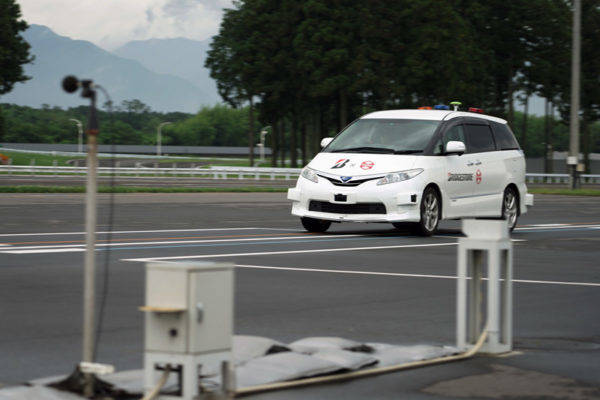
111, 203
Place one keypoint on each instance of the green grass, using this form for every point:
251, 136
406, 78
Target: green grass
130, 189
565, 192
19, 158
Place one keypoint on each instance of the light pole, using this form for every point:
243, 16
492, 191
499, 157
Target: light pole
80, 134
573, 159
263, 133
159, 137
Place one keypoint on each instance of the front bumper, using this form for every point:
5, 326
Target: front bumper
401, 200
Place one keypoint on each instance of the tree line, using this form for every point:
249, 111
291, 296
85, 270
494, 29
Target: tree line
130, 122
133, 122
310, 67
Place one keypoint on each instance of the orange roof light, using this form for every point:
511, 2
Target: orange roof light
424, 108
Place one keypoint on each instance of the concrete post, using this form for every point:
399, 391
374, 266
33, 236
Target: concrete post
487, 240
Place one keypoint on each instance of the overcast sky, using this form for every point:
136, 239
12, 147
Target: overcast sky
111, 23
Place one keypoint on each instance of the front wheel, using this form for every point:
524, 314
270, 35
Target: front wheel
431, 212
315, 225
510, 207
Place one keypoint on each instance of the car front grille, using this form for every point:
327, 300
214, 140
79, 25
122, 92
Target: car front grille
335, 208
338, 182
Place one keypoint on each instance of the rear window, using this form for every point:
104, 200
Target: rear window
479, 138
504, 137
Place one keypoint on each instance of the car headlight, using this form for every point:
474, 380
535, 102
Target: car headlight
399, 176
310, 174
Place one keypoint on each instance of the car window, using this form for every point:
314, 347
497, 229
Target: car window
388, 135
504, 137
479, 138
456, 133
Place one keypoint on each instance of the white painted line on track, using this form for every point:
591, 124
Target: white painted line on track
66, 246
534, 228
146, 231
269, 253
42, 251
351, 272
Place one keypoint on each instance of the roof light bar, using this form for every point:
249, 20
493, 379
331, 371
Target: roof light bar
424, 108
441, 107
475, 110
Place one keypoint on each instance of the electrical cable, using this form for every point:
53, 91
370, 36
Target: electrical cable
111, 202
365, 372
159, 385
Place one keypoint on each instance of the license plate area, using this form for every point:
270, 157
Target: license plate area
340, 197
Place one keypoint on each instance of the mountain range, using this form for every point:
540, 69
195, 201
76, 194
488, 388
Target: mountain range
166, 74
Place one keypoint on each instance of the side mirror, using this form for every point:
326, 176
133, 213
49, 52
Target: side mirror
455, 147
325, 141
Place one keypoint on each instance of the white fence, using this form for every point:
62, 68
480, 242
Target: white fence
229, 173
213, 172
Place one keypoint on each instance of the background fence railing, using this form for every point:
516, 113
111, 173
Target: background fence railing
229, 173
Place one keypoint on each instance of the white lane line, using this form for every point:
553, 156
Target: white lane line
339, 271
42, 251
533, 228
147, 231
269, 253
64, 246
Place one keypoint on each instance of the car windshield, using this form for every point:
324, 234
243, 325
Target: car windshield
386, 136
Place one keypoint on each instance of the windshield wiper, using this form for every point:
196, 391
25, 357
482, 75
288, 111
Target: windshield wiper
407, 151
365, 149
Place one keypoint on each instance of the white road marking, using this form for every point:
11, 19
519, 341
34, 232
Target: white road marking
42, 251
64, 246
339, 271
533, 228
268, 253
147, 231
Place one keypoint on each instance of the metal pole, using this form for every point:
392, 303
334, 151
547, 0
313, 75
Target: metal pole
90, 243
575, 82
159, 137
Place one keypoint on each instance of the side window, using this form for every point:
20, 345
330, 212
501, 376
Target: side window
480, 139
504, 137
456, 133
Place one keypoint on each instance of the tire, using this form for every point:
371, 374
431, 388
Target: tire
510, 207
431, 213
315, 225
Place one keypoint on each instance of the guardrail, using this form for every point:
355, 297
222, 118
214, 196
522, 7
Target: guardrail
231, 173
213, 172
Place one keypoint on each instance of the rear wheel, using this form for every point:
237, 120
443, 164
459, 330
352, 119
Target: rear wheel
315, 225
430, 213
510, 207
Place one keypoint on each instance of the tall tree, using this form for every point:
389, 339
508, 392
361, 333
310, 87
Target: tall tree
14, 50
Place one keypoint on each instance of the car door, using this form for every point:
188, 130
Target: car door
488, 167
458, 185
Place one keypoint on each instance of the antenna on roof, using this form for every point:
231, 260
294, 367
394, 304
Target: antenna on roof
456, 104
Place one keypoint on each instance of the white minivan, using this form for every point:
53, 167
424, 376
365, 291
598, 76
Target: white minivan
415, 168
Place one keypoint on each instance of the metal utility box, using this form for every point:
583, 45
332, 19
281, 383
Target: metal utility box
189, 321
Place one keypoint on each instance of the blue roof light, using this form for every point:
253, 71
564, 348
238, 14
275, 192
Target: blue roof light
441, 107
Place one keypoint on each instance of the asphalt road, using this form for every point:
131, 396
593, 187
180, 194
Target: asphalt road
396, 288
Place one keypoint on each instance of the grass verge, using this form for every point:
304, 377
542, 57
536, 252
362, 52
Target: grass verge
565, 192
130, 189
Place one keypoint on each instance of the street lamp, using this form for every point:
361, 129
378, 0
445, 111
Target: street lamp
159, 137
80, 135
261, 145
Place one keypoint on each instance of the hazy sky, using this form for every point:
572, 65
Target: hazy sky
111, 23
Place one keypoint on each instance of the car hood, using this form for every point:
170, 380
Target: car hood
357, 164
